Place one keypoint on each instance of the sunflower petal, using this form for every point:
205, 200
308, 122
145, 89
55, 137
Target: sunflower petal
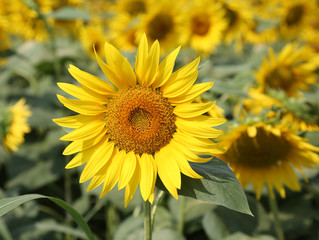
188, 110
141, 56
127, 170
94, 83
132, 185
82, 107
76, 121
149, 74
147, 175
166, 68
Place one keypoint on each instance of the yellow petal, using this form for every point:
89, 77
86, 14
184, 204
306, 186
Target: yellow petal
151, 65
166, 68
147, 175
120, 66
83, 107
189, 96
206, 121
252, 131
141, 56
112, 171
188, 110
85, 132
182, 162
196, 130
100, 157
90, 81
82, 93
132, 185
128, 168
76, 121
168, 171
80, 145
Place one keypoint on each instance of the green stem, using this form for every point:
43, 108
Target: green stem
275, 211
181, 216
159, 196
147, 221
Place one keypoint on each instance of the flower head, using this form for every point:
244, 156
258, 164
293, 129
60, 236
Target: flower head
141, 125
263, 154
13, 125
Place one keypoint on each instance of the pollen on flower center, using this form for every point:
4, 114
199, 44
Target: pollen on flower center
200, 25
140, 119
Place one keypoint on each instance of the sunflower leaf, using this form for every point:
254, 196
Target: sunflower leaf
8, 204
218, 185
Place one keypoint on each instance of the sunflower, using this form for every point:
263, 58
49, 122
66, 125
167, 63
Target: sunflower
291, 71
163, 23
132, 8
26, 21
256, 35
123, 32
13, 125
92, 35
263, 154
239, 18
141, 126
205, 25
295, 16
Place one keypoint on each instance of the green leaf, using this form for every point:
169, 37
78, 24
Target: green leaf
130, 228
9, 204
214, 226
218, 185
167, 234
69, 13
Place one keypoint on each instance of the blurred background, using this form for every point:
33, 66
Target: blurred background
263, 56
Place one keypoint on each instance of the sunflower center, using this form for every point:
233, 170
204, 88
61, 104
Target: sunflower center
200, 25
264, 150
160, 26
295, 15
140, 119
232, 17
136, 7
280, 78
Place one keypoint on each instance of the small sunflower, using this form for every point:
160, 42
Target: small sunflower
163, 23
142, 125
239, 17
205, 25
291, 71
93, 35
263, 154
295, 16
13, 125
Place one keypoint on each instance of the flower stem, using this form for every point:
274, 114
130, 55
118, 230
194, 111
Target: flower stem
147, 221
275, 211
181, 215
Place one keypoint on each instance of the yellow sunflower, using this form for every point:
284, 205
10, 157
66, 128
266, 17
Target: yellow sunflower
93, 35
141, 125
291, 71
132, 8
256, 35
13, 125
295, 16
26, 21
239, 17
263, 154
123, 32
264, 9
205, 25
163, 23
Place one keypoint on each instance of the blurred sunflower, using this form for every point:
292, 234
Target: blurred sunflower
264, 9
4, 28
93, 35
123, 32
295, 16
263, 154
13, 125
291, 71
256, 35
132, 8
26, 21
163, 23
239, 18
143, 126
205, 25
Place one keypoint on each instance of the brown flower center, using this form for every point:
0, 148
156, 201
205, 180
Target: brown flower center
280, 78
160, 26
136, 7
295, 15
264, 150
200, 24
140, 119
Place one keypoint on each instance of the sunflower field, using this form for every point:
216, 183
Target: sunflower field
159, 119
